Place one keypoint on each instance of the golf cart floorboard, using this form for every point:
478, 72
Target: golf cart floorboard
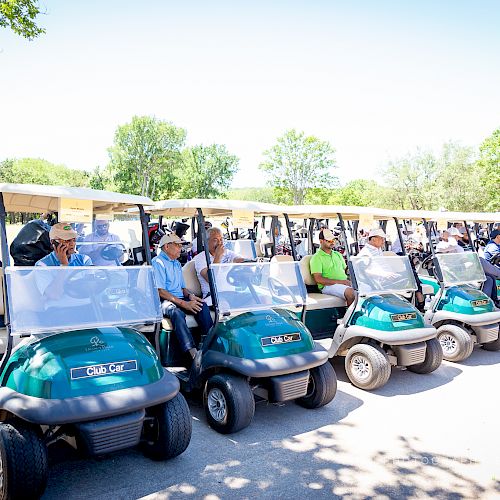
179, 371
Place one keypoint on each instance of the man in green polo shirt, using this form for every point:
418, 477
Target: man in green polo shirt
328, 269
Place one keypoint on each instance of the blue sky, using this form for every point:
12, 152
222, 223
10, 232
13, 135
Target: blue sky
374, 78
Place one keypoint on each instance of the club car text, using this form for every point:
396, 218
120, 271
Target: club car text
403, 316
103, 369
280, 339
481, 302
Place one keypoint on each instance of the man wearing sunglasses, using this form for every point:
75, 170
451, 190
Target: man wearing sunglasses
177, 300
328, 269
94, 243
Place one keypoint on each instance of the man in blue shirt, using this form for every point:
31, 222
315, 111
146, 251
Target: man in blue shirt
63, 240
177, 300
493, 246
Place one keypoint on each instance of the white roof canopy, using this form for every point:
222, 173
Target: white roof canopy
39, 198
447, 216
212, 208
331, 211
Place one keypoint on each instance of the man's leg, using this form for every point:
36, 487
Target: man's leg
341, 291
204, 319
178, 318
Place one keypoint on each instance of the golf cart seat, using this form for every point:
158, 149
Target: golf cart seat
317, 300
427, 289
282, 258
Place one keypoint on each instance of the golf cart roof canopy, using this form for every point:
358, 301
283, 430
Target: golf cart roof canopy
38, 198
329, 211
211, 208
448, 216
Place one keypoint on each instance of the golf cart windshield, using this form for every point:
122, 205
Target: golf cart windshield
460, 268
263, 285
50, 299
388, 274
244, 248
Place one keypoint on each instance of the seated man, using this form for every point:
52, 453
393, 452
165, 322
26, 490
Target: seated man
493, 246
94, 243
63, 241
177, 300
328, 269
375, 244
218, 255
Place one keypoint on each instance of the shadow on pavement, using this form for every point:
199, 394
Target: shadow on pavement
417, 474
285, 434
404, 382
481, 357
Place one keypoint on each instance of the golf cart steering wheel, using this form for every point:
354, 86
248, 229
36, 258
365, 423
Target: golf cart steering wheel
495, 260
427, 263
113, 252
240, 276
275, 285
84, 284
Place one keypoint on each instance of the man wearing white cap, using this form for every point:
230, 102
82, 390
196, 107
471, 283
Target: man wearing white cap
375, 245
63, 240
93, 243
177, 300
328, 269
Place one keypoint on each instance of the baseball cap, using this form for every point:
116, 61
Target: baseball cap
376, 232
453, 231
326, 234
62, 231
494, 233
169, 238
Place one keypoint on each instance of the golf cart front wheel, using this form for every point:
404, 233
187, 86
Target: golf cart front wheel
167, 432
433, 358
456, 343
23, 462
322, 387
367, 366
229, 403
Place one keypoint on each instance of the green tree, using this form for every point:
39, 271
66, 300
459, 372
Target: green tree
458, 183
19, 16
265, 195
38, 171
297, 163
207, 171
489, 162
412, 181
146, 157
360, 193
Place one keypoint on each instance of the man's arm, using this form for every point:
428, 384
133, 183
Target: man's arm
320, 280
194, 305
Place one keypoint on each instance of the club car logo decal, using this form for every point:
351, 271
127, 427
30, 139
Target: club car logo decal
103, 369
96, 344
272, 320
481, 302
403, 316
280, 339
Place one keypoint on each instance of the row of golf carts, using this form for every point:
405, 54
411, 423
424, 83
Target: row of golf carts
88, 358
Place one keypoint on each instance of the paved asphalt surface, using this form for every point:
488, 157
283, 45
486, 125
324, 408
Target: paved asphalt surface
420, 436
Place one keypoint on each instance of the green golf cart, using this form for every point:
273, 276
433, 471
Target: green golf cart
381, 328
461, 312
76, 364
258, 347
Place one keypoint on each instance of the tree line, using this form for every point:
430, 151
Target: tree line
149, 157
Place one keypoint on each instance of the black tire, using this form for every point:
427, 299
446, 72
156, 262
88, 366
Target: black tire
169, 433
322, 387
433, 358
375, 363
492, 346
24, 462
229, 403
457, 344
